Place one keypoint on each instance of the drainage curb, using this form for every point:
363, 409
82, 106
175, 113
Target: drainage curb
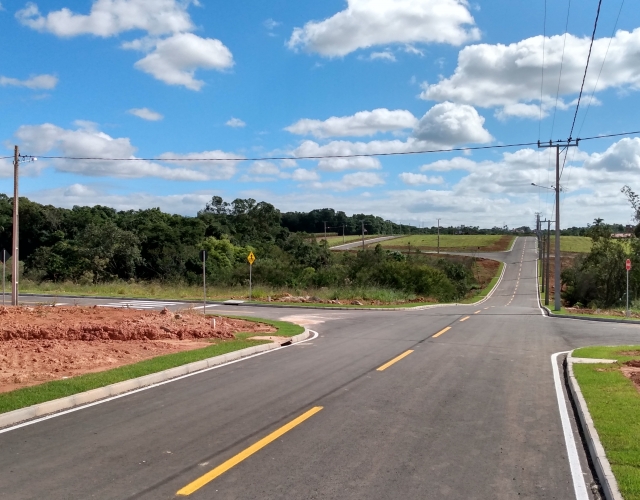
586, 318
596, 450
82, 398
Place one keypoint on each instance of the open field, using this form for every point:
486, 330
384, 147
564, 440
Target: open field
611, 393
66, 386
448, 242
334, 241
574, 244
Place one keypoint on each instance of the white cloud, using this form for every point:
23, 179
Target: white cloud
173, 53
410, 49
146, 114
366, 23
508, 77
448, 123
264, 168
622, 156
270, 24
417, 179
357, 163
88, 142
35, 82
112, 17
174, 60
357, 125
222, 166
361, 179
302, 175
235, 123
385, 55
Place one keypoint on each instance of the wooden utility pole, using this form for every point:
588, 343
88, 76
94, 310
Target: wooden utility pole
15, 260
565, 145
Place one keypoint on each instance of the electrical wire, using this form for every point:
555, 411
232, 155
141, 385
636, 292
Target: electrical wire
274, 158
615, 26
361, 155
544, 39
564, 44
586, 69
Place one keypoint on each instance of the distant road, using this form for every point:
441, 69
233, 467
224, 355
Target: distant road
356, 244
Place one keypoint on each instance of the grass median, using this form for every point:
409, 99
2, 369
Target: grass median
56, 389
614, 405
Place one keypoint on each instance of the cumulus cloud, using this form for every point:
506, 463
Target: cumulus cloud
235, 123
88, 142
448, 123
385, 55
175, 59
367, 23
38, 82
418, 179
146, 114
357, 163
360, 124
302, 175
443, 126
112, 17
264, 168
508, 77
173, 52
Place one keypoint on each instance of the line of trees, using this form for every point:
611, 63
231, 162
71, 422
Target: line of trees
99, 244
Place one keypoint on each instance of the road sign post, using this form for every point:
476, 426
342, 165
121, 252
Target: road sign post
251, 258
628, 266
203, 258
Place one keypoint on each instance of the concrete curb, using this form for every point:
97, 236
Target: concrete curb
596, 450
82, 398
551, 314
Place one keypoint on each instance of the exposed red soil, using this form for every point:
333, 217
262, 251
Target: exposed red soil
46, 343
631, 370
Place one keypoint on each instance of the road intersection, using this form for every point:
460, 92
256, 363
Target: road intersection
457, 402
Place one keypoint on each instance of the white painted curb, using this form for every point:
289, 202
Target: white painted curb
596, 450
82, 398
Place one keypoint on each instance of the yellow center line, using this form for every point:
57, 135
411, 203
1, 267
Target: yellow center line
394, 360
478, 311
444, 330
465, 319
222, 468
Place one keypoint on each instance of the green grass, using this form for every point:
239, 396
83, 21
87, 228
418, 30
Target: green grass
48, 391
614, 404
486, 290
334, 241
446, 241
577, 244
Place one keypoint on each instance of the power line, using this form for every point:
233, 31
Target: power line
544, 39
615, 26
361, 155
274, 158
586, 69
564, 44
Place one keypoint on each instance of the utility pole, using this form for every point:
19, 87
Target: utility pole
15, 261
438, 235
546, 261
363, 235
539, 236
565, 145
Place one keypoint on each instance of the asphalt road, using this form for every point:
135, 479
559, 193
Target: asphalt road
469, 414
358, 244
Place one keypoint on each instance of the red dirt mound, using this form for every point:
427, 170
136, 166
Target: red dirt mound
46, 343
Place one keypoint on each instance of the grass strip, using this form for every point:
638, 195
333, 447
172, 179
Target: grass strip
487, 289
614, 404
27, 396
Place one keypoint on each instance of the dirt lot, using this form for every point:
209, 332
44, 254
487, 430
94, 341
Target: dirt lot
46, 343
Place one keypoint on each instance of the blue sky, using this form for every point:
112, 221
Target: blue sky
180, 79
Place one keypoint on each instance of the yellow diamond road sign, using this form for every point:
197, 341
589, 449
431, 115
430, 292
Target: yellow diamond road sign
251, 258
